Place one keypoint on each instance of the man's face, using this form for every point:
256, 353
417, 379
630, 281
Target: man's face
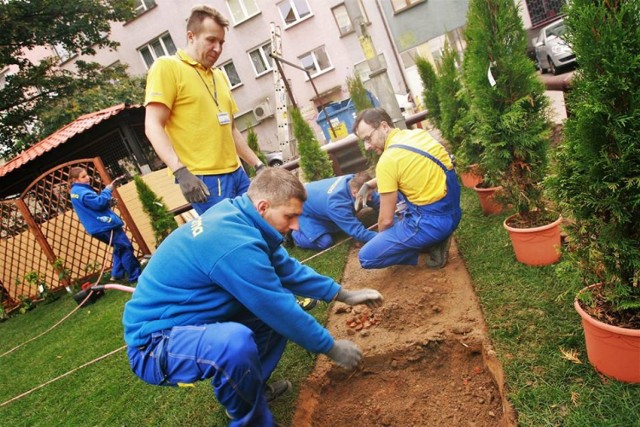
206, 46
283, 218
372, 137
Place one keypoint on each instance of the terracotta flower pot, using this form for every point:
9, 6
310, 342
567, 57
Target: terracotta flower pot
487, 202
470, 178
613, 351
535, 246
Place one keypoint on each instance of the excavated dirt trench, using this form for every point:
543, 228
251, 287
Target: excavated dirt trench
427, 358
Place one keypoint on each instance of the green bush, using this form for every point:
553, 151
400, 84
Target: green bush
430, 91
252, 142
452, 107
510, 116
162, 221
314, 162
597, 178
361, 101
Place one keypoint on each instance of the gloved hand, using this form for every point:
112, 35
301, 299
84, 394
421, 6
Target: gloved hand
345, 353
116, 181
259, 168
113, 202
361, 197
192, 188
370, 297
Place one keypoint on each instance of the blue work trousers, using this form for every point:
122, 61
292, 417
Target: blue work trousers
223, 186
238, 356
124, 259
324, 241
419, 228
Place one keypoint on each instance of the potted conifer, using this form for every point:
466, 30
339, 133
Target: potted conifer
597, 181
509, 111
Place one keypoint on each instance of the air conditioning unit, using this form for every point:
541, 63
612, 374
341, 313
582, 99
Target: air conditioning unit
262, 111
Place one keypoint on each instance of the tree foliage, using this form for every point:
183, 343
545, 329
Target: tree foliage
452, 107
314, 162
361, 101
510, 116
430, 89
252, 142
162, 221
596, 176
33, 87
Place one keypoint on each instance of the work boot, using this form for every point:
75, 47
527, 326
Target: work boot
439, 254
276, 389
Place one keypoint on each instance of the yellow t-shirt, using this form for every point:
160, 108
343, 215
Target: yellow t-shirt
204, 145
419, 178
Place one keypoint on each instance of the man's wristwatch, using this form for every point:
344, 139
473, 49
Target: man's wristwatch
259, 167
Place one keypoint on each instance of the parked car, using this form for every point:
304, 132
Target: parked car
552, 51
274, 159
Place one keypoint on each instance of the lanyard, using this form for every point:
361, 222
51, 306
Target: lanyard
214, 95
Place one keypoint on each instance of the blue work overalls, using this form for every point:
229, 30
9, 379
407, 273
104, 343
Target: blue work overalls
420, 227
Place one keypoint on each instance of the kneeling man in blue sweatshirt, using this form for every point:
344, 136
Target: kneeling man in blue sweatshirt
218, 300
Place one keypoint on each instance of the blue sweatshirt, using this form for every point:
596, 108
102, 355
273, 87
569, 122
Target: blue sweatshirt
330, 208
93, 209
207, 270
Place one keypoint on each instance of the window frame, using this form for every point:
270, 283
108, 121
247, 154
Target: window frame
223, 68
343, 6
142, 4
294, 8
149, 46
243, 7
264, 56
319, 71
408, 4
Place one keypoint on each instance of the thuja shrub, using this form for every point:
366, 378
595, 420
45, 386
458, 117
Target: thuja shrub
314, 162
510, 115
252, 142
162, 221
361, 101
452, 108
430, 90
596, 177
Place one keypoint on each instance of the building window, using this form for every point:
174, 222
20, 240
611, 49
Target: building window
142, 6
316, 62
241, 10
294, 11
261, 60
400, 5
543, 11
342, 18
62, 52
3, 78
363, 69
156, 48
232, 74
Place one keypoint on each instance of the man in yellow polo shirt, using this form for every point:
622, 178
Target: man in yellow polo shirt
417, 171
189, 116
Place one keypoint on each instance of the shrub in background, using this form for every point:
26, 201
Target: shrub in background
252, 142
509, 116
314, 162
162, 221
597, 174
361, 101
430, 91
452, 108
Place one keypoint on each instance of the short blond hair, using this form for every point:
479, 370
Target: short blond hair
199, 13
276, 185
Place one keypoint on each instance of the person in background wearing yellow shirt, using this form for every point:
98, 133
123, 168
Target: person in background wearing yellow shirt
189, 116
416, 171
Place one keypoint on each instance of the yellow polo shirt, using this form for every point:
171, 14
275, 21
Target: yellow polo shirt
188, 89
419, 178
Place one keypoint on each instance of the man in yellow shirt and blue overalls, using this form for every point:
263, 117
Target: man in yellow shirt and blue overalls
417, 171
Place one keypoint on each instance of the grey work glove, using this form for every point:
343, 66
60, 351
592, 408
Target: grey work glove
370, 297
361, 197
345, 353
191, 186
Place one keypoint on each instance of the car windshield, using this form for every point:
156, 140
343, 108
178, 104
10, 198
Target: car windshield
556, 30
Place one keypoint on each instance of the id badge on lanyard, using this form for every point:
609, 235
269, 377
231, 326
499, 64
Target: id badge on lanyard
224, 118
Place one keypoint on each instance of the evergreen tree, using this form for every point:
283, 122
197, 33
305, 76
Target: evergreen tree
361, 101
252, 142
162, 221
597, 172
314, 162
508, 105
449, 95
430, 90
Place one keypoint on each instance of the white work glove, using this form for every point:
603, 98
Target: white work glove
370, 297
191, 186
361, 197
345, 353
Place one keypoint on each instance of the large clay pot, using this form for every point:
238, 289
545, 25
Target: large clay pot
535, 246
487, 202
613, 351
470, 178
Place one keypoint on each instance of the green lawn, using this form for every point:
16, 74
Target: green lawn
528, 310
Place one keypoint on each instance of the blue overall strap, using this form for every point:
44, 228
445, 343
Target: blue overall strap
419, 151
